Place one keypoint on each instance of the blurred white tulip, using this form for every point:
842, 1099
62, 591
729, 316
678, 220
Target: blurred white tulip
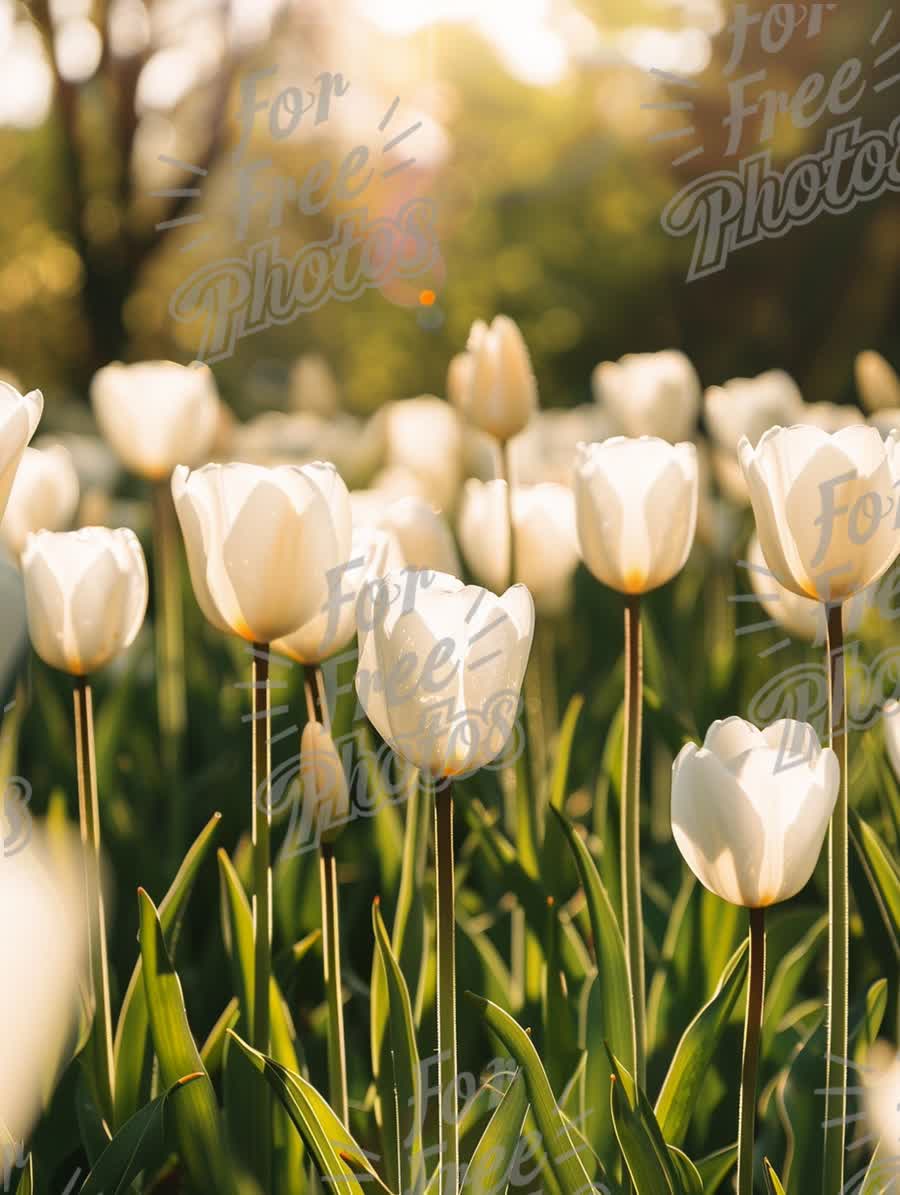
260, 543
750, 808
421, 532
881, 1099
44, 947
636, 507
877, 382
19, 417
86, 595
824, 507
441, 667
424, 437
747, 407
156, 414
547, 449
546, 542
313, 386
650, 394
373, 553
829, 416
492, 384
890, 716
44, 496
326, 797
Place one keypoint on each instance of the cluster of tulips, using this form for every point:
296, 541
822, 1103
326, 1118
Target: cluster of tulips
285, 558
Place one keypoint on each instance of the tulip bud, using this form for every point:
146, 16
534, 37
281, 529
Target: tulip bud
636, 507
313, 386
824, 507
260, 543
441, 667
19, 416
44, 496
156, 414
492, 384
424, 438
650, 394
750, 808
86, 595
326, 797
877, 382
546, 542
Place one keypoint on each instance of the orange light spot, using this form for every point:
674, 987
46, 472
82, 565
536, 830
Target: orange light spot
427, 297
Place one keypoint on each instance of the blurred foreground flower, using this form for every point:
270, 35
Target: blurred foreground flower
650, 394
44, 496
877, 382
19, 417
156, 414
44, 945
750, 808
492, 384
546, 543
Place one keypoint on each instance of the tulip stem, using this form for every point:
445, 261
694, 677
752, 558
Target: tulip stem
630, 833
89, 820
262, 894
169, 635
838, 920
446, 987
750, 1067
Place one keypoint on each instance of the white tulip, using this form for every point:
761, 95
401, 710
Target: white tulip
650, 394
19, 417
877, 382
492, 383
260, 543
750, 808
44, 496
829, 416
86, 595
156, 414
546, 542
313, 386
373, 553
891, 722
356, 447
424, 438
422, 533
823, 507
326, 797
44, 945
747, 407
441, 667
547, 449
636, 507
881, 1076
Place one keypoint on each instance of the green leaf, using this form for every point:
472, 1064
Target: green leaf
696, 1051
715, 1168
403, 1069
787, 979
643, 1149
214, 1046
560, 1021
335, 1153
688, 1175
773, 1182
562, 1155
882, 874
488, 1168
26, 1181
198, 1129
131, 1045
560, 776
139, 1145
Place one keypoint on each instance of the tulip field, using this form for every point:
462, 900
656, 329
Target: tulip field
522, 817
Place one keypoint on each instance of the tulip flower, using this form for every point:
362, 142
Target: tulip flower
891, 723
44, 944
86, 596
420, 532
881, 1101
747, 407
877, 382
636, 506
829, 416
824, 510
19, 417
424, 438
545, 539
750, 809
548, 448
493, 384
44, 496
441, 670
313, 386
650, 394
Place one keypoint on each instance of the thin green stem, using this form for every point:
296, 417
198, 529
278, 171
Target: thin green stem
169, 633
838, 920
89, 820
446, 989
630, 835
750, 1068
331, 951
262, 893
